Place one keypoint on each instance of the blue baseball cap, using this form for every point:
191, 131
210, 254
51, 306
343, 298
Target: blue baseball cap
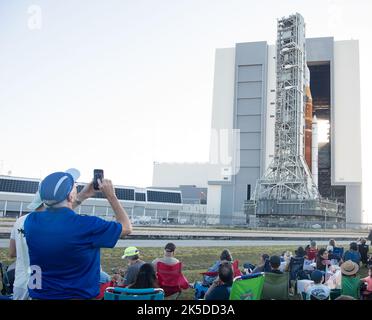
316, 276
57, 186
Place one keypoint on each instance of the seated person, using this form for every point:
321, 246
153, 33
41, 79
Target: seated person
224, 257
264, 265
312, 251
274, 262
352, 254
169, 253
146, 278
134, 264
322, 261
363, 249
350, 281
317, 291
221, 287
368, 281
285, 258
331, 245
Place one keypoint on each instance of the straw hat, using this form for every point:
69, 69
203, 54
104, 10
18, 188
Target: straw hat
349, 268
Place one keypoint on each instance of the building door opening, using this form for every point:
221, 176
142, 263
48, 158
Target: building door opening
248, 192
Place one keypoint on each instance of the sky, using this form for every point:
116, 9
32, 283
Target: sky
119, 84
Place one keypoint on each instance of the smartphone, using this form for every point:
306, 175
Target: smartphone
97, 174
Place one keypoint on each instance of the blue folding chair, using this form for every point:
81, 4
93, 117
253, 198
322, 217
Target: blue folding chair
296, 265
118, 293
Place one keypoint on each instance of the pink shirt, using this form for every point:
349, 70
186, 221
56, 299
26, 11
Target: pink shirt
369, 283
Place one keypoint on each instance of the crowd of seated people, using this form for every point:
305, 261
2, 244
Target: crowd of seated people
319, 285
324, 269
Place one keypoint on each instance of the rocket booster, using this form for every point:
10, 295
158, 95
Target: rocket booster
314, 161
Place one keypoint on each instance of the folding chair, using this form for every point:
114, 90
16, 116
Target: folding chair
248, 287
171, 279
118, 293
334, 294
236, 270
275, 286
296, 265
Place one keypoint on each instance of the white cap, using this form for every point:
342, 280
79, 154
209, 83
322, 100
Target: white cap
36, 202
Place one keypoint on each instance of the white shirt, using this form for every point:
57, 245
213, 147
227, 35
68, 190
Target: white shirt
320, 291
22, 270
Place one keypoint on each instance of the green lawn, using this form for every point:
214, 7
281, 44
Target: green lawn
195, 260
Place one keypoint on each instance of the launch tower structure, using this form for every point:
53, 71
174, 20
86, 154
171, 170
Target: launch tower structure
287, 189
288, 177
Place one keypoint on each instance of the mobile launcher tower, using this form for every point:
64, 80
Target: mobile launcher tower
288, 187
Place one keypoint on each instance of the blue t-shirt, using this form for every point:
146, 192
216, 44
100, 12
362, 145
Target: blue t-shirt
66, 248
353, 256
221, 292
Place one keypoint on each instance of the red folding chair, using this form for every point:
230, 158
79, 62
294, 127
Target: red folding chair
171, 279
236, 270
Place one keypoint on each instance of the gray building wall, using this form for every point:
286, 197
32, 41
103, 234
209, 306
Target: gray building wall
249, 117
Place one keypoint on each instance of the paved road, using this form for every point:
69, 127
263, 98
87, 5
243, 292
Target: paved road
4, 243
163, 232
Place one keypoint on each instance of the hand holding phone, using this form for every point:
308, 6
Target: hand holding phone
97, 174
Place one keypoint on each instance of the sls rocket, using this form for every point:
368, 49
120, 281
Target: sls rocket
314, 156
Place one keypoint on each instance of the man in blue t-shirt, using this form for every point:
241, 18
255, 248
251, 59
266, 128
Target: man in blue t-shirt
64, 247
221, 287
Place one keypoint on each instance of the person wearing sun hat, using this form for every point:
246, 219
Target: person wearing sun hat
65, 246
349, 268
18, 249
134, 264
350, 281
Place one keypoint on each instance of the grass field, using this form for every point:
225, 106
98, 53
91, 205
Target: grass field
195, 260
